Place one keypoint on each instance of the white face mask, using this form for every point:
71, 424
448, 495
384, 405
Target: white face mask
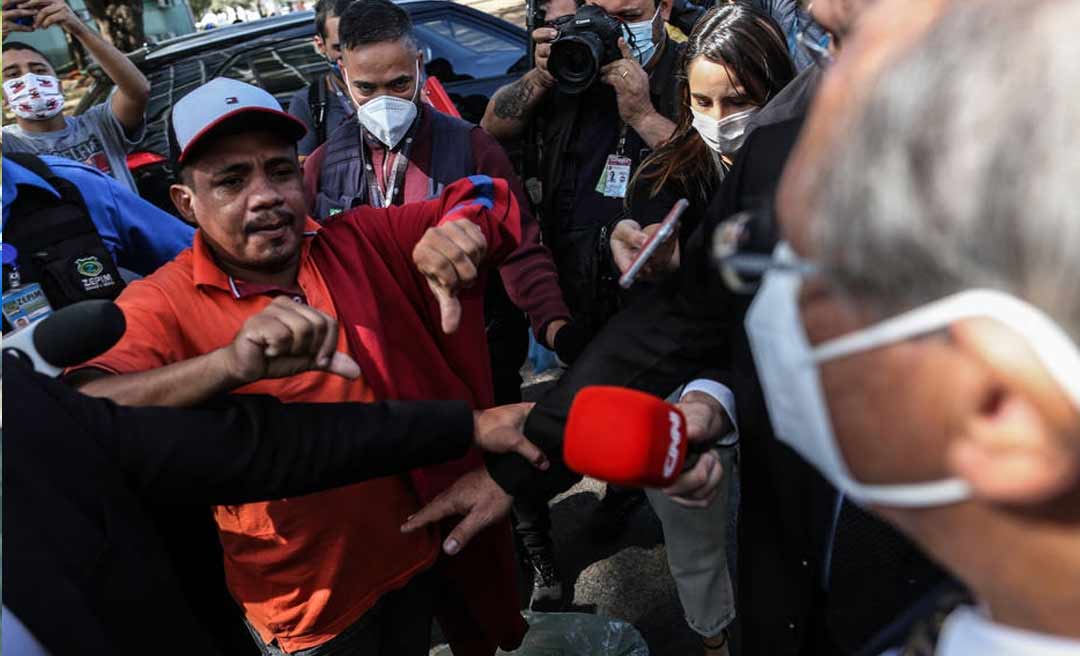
788, 368
639, 36
387, 118
726, 135
34, 97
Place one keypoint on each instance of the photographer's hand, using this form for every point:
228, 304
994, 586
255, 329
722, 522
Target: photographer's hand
631, 84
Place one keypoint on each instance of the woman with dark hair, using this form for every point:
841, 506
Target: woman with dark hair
735, 61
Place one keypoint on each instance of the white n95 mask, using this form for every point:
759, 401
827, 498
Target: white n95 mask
788, 368
388, 118
724, 136
34, 97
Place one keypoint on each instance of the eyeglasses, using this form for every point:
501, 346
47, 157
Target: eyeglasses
742, 271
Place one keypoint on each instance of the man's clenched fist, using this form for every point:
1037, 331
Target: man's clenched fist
286, 338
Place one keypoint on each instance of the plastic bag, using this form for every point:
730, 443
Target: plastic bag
578, 634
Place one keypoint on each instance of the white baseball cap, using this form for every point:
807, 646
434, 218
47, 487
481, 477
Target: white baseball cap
197, 114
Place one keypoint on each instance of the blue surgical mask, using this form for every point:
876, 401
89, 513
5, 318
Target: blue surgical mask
639, 36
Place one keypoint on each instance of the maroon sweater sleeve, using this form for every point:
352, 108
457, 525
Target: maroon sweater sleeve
312, 170
529, 273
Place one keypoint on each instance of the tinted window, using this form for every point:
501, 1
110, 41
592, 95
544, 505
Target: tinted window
458, 48
282, 68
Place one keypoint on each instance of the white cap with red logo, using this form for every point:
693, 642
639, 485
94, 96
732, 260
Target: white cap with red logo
197, 114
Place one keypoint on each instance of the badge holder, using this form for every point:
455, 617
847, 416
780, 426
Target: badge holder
615, 177
22, 304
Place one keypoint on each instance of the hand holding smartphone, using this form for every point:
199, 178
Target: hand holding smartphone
665, 232
24, 21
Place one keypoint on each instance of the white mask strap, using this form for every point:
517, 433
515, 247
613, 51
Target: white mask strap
1054, 348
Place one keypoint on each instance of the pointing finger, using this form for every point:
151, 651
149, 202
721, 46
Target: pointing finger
439, 509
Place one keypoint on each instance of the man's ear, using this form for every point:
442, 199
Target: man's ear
320, 45
184, 199
1021, 442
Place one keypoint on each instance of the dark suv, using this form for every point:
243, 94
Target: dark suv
470, 52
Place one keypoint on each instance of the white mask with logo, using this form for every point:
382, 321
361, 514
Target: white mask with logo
725, 136
34, 97
387, 118
788, 367
639, 36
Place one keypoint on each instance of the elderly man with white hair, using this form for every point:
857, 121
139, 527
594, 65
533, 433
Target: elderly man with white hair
917, 332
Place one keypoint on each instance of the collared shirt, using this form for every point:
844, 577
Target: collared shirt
968, 631
139, 236
281, 557
307, 568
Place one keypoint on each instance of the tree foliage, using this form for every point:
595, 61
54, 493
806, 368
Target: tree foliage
119, 21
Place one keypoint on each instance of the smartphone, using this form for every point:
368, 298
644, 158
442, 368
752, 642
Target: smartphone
667, 229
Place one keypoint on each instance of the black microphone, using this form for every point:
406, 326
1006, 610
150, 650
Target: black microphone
68, 337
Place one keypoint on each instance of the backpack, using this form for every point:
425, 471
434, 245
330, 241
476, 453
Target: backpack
57, 242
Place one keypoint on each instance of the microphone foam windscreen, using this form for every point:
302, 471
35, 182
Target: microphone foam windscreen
79, 332
625, 437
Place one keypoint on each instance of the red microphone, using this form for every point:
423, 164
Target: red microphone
625, 437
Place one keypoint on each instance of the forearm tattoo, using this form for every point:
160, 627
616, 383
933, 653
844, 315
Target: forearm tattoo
513, 102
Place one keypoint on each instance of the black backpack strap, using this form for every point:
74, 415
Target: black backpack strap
58, 244
32, 163
317, 104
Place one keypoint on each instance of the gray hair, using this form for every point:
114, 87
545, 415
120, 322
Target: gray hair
963, 169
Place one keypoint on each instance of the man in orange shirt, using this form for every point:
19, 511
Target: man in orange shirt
267, 301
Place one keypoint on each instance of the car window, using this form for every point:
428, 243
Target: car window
457, 48
282, 68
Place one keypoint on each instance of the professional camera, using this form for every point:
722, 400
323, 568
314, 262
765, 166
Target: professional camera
587, 42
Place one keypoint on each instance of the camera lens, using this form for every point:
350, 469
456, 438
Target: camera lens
575, 61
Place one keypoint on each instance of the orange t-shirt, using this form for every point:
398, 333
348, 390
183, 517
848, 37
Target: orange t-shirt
305, 568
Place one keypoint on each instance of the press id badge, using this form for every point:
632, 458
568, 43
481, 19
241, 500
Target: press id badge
26, 304
616, 177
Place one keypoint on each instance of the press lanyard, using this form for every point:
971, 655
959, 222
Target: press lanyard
621, 147
396, 179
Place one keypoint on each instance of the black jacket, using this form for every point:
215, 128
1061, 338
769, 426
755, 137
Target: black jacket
692, 326
578, 132
83, 567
